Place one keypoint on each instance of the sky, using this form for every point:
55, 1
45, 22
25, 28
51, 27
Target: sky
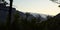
37, 6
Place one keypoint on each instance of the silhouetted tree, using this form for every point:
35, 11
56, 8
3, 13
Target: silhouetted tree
10, 10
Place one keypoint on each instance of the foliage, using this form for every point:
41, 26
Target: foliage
52, 23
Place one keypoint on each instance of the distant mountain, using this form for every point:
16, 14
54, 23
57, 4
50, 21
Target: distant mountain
43, 17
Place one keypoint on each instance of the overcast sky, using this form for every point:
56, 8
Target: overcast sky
37, 6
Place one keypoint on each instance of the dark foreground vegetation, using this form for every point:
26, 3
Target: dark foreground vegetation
52, 23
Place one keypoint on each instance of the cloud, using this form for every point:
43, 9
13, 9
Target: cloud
38, 6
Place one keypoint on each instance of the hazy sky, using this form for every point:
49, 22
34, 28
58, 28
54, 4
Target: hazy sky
37, 6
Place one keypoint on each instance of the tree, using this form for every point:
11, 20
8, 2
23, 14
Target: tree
56, 1
10, 10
